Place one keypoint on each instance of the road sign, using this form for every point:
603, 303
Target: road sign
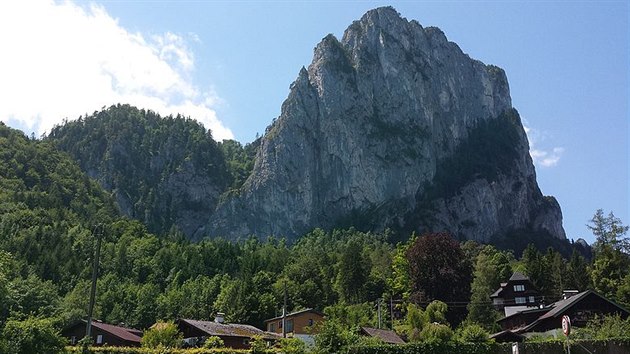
566, 325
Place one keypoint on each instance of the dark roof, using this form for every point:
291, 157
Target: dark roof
558, 309
128, 334
229, 329
297, 313
532, 310
507, 336
385, 335
518, 276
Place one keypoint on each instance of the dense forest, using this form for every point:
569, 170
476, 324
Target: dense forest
52, 213
168, 172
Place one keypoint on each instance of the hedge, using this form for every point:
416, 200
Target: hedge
136, 350
607, 346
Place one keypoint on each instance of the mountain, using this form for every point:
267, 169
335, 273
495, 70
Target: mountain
393, 126
163, 171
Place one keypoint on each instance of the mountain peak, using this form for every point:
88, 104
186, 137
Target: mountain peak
395, 127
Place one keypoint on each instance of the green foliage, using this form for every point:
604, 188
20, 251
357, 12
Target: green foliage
436, 333
612, 261
32, 335
491, 268
291, 346
258, 345
491, 137
604, 327
239, 159
162, 335
599, 346
334, 337
436, 312
213, 342
472, 333
140, 157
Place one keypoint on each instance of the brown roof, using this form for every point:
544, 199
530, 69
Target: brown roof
385, 335
229, 329
128, 334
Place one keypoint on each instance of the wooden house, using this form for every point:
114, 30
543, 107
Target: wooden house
580, 308
103, 334
236, 336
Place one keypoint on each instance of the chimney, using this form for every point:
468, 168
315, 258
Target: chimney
568, 293
219, 318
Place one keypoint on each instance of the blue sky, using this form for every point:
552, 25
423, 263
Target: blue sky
229, 64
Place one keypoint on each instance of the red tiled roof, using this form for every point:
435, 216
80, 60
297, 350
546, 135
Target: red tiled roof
229, 329
385, 335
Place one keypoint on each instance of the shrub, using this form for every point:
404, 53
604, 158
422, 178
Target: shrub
333, 337
291, 346
436, 333
258, 345
213, 342
165, 334
472, 333
33, 335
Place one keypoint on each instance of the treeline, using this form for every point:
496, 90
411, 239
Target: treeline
49, 210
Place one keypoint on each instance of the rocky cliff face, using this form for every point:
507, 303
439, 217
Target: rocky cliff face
392, 127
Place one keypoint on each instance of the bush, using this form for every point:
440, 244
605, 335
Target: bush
213, 342
258, 345
33, 335
165, 334
604, 327
436, 333
472, 333
333, 337
291, 346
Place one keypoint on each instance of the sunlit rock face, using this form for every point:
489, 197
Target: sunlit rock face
392, 126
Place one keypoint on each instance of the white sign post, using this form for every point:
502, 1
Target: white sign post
566, 329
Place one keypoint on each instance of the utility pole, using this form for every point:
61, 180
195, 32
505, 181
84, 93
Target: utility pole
99, 234
378, 304
284, 312
391, 311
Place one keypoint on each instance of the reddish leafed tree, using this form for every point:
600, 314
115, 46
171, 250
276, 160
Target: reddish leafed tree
439, 270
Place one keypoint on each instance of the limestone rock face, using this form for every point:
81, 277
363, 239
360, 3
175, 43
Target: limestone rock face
386, 129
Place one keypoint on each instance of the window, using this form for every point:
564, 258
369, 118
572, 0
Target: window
73, 340
531, 299
310, 321
99, 339
272, 327
279, 324
290, 326
519, 287
519, 300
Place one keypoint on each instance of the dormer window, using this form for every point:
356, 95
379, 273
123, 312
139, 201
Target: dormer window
519, 287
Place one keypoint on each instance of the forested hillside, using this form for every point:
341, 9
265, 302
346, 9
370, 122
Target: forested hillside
163, 171
47, 239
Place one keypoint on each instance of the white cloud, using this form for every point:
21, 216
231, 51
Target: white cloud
61, 60
542, 157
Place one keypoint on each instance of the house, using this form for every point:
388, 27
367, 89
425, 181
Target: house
103, 334
299, 322
580, 307
385, 335
236, 336
518, 294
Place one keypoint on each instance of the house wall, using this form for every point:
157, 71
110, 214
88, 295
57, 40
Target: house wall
301, 323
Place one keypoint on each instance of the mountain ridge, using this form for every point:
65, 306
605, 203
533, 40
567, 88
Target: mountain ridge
374, 115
